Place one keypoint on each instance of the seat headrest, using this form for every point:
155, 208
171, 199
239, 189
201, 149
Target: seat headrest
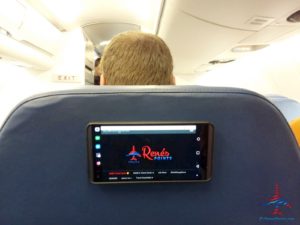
43, 160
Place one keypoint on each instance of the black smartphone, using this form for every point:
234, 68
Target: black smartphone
149, 152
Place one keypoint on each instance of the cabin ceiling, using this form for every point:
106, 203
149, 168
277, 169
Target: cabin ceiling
70, 14
197, 31
201, 31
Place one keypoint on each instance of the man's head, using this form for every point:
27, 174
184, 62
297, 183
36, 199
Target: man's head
136, 58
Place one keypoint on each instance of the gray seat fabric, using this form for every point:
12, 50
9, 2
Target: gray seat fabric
43, 160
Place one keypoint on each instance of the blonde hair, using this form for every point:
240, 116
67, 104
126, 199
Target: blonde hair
136, 58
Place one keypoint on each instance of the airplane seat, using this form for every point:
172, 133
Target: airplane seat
295, 126
291, 110
43, 160
289, 107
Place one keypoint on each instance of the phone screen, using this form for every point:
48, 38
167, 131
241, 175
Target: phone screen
160, 152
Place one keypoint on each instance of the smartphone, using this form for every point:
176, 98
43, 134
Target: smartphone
149, 152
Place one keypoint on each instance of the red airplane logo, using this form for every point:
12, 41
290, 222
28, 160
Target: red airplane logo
133, 153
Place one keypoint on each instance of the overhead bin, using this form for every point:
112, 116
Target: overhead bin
26, 35
207, 33
194, 35
14, 50
12, 14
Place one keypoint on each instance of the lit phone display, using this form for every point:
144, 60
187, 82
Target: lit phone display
127, 153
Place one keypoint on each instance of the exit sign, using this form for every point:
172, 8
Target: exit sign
67, 78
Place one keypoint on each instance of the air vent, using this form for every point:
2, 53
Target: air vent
260, 21
221, 61
294, 18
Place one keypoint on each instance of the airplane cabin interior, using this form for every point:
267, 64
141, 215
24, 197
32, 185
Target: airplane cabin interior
221, 147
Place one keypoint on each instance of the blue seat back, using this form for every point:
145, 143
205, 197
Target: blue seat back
43, 160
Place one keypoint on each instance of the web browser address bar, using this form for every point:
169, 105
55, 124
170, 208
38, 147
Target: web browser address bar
146, 129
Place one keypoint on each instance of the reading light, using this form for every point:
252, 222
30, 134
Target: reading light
247, 48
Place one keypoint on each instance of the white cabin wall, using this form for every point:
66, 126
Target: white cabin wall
70, 61
273, 70
18, 83
247, 75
